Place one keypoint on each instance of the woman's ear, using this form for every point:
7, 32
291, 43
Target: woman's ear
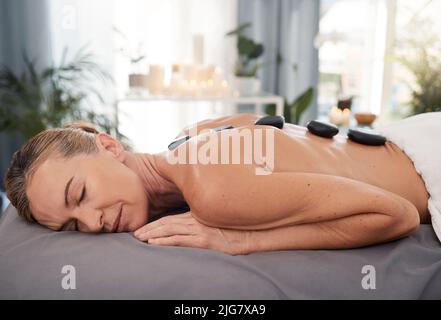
106, 142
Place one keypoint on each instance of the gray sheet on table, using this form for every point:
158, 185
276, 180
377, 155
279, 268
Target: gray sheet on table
117, 266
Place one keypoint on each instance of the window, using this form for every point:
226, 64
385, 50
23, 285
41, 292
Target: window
360, 46
416, 21
352, 46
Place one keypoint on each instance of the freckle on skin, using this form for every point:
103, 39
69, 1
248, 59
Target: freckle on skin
309, 184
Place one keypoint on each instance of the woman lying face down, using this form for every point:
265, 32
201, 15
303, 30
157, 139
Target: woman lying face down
77, 178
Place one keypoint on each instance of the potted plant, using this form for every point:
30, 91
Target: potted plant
422, 58
247, 64
137, 79
293, 110
33, 101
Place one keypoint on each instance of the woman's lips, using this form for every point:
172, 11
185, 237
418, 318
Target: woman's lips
120, 226
116, 223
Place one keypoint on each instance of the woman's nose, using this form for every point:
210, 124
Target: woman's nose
90, 220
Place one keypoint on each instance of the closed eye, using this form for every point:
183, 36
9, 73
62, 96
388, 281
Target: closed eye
83, 194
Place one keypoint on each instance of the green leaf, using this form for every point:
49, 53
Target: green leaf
245, 46
279, 58
300, 104
239, 29
256, 52
31, 102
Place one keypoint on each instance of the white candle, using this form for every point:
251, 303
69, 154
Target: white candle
156, 79
346, 117
189, 72
198, 49
335, 115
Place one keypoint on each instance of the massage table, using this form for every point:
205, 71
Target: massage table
33, 263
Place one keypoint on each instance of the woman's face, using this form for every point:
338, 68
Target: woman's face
88, 192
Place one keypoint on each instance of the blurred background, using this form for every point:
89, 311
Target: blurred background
143, 69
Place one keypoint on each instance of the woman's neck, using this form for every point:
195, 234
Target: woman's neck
162, 194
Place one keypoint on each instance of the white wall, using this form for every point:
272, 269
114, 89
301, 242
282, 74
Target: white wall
79, 23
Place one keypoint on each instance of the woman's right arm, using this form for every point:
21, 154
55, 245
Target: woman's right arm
298, 210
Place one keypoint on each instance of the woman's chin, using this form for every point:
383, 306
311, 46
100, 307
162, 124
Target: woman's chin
134, 227
131, 221
131, 227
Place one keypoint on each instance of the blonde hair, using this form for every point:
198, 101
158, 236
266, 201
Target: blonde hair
71, 140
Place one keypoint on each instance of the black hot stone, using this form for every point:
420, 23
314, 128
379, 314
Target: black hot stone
322, 129
275, 121
222, 128
366, 137
177, 142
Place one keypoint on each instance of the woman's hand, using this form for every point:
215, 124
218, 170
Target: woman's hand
184, 230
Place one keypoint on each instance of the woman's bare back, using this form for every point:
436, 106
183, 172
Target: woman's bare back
297, 150
387, 167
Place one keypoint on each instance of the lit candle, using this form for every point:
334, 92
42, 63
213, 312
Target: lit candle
335, 115
346, 117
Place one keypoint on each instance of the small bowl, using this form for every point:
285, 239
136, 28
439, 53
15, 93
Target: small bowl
364, 118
